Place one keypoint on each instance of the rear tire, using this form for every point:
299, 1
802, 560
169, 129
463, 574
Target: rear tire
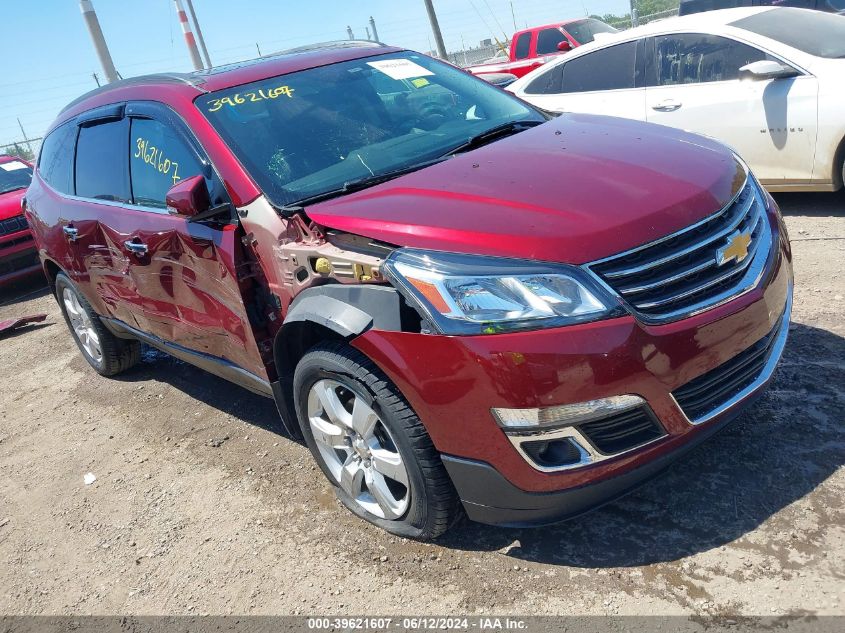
106, 353
371, 445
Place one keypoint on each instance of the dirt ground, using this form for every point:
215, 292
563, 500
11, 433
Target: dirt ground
202, 506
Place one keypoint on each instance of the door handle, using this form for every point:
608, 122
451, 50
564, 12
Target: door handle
71, 233
668, 105
136, 248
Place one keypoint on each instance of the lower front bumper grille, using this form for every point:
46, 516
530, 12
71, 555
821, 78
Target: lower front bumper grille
622, 432
711, 394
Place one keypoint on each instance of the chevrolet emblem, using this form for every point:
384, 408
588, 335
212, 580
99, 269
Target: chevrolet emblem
736, 248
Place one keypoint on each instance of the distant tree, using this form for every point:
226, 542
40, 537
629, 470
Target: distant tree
16, 149
644, 9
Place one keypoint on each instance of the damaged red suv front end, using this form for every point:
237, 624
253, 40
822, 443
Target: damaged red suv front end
18, 255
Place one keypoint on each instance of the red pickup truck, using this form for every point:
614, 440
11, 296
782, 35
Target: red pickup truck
532, 47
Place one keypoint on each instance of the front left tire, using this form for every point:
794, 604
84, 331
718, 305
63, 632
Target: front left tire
371, 445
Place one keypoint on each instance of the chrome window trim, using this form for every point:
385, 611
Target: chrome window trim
761, 380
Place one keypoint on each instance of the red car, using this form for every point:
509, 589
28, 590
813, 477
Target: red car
18, 256
467, 306
532, 47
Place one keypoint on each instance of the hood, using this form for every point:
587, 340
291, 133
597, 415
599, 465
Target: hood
573, 190
10, 203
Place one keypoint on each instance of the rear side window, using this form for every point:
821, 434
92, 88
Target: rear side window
547, 41
690, 58
548, 83
102, 171
523, 43
55, 163
158, 159
612, 68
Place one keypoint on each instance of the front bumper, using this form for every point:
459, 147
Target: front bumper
453, 382
18, 256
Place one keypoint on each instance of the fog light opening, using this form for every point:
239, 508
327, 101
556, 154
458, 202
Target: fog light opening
555, 453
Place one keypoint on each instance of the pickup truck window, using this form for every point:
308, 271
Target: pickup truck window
523, 44
547, 41
612, 68
310, 132
584, 31
688, 58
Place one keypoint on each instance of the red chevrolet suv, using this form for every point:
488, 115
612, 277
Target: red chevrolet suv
456, 302
18, 256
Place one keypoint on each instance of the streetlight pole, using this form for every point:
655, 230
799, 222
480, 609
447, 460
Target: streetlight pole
97, 38
189, 36
200, 38
435, 27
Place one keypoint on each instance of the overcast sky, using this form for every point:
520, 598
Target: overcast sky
53, 58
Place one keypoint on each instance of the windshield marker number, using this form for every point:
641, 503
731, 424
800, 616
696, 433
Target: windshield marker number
260, 95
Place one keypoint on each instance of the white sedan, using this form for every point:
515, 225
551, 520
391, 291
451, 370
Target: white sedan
769, 82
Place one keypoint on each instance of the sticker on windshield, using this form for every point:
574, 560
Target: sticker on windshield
400, 68
13, 165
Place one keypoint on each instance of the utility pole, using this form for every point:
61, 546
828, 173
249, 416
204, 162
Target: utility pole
258, 49
367, 29
435, 27
200, 38
189, 36
97, 38
349, 31
25, 139
97, 79
375, 33
635, 17
513, 16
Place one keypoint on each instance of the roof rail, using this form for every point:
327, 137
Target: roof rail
307, 48
190, 79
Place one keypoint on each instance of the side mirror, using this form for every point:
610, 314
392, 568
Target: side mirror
767, 69
189, 197
564, 46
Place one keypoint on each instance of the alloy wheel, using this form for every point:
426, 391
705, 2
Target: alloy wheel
358, 449
82, 326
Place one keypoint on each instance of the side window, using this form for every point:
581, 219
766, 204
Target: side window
101, 163
55, 163
158, 159
523, 43
547, 41
612, 68
689, 58
548, 83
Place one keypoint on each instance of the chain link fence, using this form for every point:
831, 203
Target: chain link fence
27, 149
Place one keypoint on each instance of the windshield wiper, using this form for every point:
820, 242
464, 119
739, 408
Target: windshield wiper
498, 131
358, 184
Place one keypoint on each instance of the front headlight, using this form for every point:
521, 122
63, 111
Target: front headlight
463, 294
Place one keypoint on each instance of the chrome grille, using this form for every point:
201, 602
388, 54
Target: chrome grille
12, 225
681, 274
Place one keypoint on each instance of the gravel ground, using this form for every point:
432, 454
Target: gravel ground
201, 506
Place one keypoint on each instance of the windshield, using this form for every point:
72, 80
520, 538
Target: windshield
813, 32
310, 132
14, 175
584, 31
